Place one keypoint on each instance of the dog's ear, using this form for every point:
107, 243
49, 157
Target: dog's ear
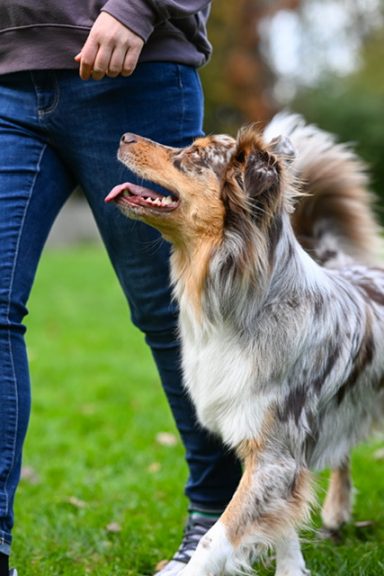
283, 147
261, 173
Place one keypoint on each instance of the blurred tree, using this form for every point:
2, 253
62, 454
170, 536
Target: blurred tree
338, 81
353, 108
239, 80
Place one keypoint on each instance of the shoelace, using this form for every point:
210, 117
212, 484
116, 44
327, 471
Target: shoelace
193, 532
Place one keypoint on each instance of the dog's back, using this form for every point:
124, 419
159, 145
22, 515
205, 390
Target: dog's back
334, 221
334, 218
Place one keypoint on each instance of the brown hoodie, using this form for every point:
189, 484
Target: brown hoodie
41, 35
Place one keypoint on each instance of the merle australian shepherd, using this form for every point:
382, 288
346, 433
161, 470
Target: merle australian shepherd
281, 318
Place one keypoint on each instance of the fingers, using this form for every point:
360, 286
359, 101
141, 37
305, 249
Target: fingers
130, 61
87, 60
99, 63
111, 50
122, 62
116, 62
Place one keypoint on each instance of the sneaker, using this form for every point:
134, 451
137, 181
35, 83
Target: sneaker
194, 530
13, 572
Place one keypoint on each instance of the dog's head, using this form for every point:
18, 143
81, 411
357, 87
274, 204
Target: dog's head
211, 183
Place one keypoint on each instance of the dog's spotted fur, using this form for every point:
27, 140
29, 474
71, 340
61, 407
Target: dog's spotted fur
283, 347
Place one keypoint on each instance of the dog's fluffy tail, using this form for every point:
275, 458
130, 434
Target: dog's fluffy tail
334, 218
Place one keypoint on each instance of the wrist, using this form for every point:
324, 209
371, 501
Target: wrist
136, 15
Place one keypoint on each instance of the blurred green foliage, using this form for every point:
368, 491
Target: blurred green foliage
353, 108
222, 108
350, 106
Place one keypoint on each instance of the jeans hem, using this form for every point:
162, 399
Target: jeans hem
5, 546
193, 507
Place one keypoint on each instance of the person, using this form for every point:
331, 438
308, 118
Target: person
73, 77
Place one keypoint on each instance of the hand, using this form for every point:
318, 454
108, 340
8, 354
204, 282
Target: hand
111, 49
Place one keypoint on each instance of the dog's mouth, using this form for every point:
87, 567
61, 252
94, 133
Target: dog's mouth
133, 196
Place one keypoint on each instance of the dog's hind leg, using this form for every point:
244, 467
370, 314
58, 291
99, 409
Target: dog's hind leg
273, 497
337, 507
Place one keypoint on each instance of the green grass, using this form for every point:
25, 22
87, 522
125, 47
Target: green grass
102, 495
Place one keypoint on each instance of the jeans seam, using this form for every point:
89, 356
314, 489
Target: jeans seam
8, 319
181, 86
43, 112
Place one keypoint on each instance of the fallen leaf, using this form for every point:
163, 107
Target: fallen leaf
379, 454
364, 524
76, 502
113, 527
160, 565
88, 409
166, 439
154, 467
29, 475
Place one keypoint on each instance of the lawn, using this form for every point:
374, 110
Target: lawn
102, 491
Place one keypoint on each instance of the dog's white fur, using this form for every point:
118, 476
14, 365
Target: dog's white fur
281, 319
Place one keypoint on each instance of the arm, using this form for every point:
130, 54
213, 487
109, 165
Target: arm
117, 37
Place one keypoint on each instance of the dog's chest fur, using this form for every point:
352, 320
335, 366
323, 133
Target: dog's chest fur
240, 387
235, 381
219, 375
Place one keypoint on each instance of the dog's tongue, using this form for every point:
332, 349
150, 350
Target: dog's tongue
121, 188
115, 192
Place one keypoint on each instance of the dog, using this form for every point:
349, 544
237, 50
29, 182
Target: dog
281, 304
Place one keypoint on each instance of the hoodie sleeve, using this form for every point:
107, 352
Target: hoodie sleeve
142, 16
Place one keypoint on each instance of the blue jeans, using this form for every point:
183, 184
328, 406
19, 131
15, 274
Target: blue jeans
57, 132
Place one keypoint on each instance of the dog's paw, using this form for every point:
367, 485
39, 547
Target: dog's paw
331, 534
194, 572
293, 572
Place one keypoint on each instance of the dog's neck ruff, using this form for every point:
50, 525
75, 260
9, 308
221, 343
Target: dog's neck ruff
243, 340
245, 355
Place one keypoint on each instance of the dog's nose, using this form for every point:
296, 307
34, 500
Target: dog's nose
128, 138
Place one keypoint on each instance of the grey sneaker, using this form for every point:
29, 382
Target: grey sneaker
194, 530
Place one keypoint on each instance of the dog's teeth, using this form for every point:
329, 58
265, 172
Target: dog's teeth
159, 201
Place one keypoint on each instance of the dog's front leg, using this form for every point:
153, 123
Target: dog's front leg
273, 496
289, 559
212, 553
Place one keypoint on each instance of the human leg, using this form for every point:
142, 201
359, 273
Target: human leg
33, 186
162, 102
